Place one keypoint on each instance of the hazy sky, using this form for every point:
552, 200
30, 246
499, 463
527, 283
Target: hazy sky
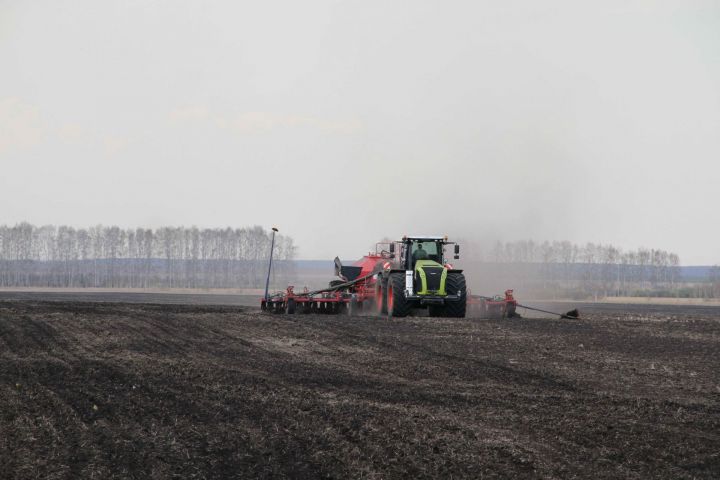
345, 121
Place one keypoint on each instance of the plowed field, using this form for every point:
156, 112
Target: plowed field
113, 390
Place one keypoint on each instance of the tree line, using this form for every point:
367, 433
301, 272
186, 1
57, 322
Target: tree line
712, 290
110, 256
566, 269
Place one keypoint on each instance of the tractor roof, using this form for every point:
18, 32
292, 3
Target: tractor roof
424, 237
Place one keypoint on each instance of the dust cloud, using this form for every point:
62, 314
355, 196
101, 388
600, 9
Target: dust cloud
343, 122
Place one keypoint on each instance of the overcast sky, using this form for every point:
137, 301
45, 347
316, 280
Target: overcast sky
345, 121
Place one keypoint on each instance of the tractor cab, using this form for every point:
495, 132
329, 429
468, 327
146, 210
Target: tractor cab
413, 249
425, 250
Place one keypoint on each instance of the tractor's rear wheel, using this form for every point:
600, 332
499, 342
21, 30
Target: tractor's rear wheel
455, 283
397, 304
380, 297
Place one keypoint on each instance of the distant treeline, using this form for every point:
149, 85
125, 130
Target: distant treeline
564, 269
177, 257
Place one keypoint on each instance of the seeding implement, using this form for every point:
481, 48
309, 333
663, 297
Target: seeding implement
400, 276
354, 290
493, 307
506, 307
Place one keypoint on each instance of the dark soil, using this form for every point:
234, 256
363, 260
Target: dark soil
95, 390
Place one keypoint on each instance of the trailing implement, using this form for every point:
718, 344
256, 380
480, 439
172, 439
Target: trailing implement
353, 292
497, 306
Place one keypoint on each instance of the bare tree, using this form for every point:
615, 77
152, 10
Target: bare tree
113, 257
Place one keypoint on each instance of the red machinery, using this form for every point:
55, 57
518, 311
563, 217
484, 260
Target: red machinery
493, 307
355, 289
506, 307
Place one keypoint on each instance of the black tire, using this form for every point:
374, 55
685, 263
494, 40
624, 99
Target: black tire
455, 283
397, 304
380, 297
291, 306
510, 312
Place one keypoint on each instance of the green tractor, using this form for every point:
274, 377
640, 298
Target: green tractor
418, 276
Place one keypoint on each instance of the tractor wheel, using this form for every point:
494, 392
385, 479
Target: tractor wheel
397, 304
455, 283
290, 306
380, 297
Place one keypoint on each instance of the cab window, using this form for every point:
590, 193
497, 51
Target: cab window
430, 247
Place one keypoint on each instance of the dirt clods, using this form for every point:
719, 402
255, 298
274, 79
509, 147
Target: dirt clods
181, 391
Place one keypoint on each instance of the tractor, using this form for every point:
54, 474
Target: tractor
417, 275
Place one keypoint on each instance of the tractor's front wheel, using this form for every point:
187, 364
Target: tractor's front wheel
398, 306
454, 284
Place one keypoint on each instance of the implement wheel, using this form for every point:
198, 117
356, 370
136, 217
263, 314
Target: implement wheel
380, 297
397, 304
352, 306
456, 283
